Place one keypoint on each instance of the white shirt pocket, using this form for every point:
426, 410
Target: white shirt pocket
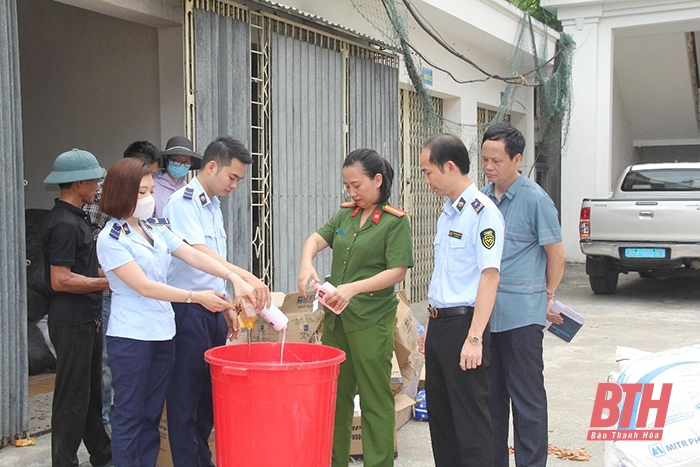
457, 254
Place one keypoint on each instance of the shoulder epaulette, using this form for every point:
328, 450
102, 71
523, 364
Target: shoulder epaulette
158, 221
476, 205
189, 193
348, 204
395, 211
116, 231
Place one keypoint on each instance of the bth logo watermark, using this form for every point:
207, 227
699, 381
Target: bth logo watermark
630, 423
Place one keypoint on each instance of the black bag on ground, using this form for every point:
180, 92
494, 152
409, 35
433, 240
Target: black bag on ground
41, 359
37, 305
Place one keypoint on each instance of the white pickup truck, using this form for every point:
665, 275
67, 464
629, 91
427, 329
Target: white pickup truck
650, 225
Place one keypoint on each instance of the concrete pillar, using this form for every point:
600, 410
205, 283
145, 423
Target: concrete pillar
586, 162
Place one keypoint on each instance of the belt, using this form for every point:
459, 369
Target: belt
449, 311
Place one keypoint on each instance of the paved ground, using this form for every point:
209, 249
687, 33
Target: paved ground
644, 313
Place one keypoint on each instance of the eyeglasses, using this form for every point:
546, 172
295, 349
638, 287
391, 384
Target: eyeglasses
180, 163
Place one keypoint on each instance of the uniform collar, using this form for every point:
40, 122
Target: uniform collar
462, 201
200, 195
376, 215
119, 226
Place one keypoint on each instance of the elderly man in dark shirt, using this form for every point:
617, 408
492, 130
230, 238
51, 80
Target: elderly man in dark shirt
75, 313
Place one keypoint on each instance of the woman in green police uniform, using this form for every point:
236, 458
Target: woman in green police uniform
372, 249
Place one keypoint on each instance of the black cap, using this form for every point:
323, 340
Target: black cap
181, 146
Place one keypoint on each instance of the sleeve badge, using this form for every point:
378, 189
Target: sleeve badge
488, 238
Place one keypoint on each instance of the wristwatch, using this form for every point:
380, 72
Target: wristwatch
474, 340
189, 297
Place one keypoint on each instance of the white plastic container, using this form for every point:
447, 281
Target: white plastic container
274, 317
321, 292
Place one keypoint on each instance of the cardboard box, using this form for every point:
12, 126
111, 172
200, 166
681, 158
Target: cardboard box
305, 324
405, 331
165, 459
396, 376
404, 385
403, 407
409, 360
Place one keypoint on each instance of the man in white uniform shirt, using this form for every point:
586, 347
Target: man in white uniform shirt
468, 247
195, 215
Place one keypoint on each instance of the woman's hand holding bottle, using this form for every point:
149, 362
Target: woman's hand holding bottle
243, 289
212, 300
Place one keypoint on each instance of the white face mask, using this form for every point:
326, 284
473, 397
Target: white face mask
144, 207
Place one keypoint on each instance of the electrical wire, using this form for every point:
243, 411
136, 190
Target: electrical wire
449, 73
430, 30
519, 79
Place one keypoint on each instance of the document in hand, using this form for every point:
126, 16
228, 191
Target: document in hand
572, 322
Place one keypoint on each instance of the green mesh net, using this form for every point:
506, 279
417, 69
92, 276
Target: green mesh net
529, 68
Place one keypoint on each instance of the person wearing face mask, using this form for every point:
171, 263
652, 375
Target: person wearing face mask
150, 156
178, 159
372, 250
135, 252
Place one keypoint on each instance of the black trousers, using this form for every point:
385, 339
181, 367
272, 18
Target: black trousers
141, 372
77, 398
516, 378
189, 400
458, 401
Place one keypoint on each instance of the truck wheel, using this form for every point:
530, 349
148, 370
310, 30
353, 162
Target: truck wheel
604, 285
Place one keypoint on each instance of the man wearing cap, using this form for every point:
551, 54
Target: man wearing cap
178, 159
75, 313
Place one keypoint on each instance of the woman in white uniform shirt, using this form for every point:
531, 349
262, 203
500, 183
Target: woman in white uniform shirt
135, 255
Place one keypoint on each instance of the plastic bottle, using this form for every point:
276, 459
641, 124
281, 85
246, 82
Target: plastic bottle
321, 291
247, 316
272, 315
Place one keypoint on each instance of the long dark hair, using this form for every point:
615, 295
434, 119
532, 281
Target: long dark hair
373, 164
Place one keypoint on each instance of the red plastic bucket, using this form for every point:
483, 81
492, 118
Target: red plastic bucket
272, 414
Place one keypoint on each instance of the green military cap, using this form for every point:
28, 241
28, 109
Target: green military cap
75, 165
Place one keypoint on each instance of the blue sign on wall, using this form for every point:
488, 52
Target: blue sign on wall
427, 76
